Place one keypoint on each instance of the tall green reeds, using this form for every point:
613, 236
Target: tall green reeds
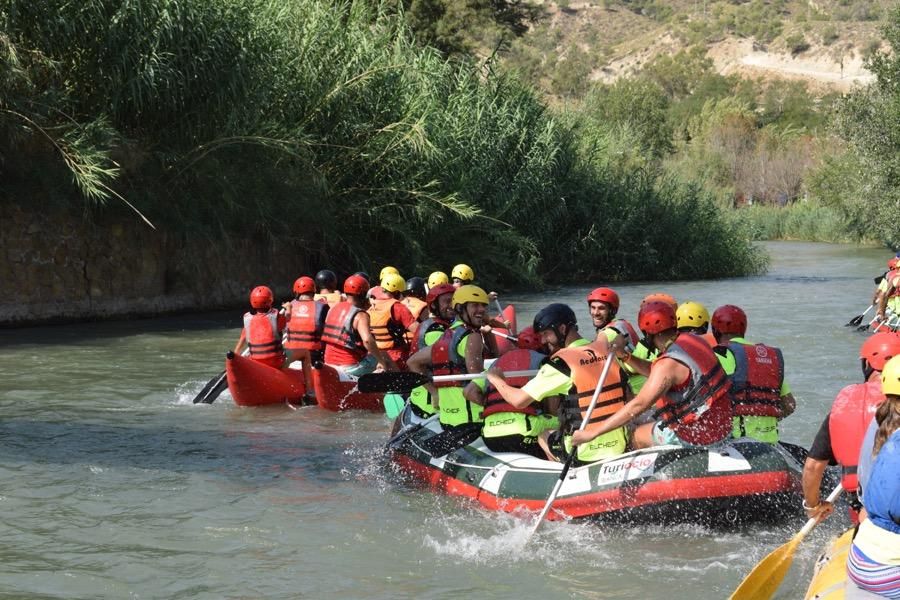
324, 125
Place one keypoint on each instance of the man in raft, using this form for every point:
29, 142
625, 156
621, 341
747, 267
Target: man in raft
459, 350
693, 318
263, 327
572, 371
390, 320
326, 281
687, 383
603, 305
760, 396
644, 349
349, 343
888, 305
441, 315
840, 437
305, 322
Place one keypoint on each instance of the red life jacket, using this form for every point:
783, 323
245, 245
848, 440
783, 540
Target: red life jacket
263, 337
339, 334
445, 360
851, 413
585, 367
387, 332
514, 360
304, 327
426, 327
698, 410
756, 381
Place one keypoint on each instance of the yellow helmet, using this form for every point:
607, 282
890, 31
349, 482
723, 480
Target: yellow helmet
890, 376
463, 272
692, 314
392, 282
469, 293
437, 278
387, 271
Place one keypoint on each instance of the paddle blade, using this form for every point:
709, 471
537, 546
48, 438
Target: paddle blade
211, 389
390, 381
393, 405
854, 321
763, 581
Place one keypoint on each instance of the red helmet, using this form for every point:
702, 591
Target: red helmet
305, 285
879, 349
656, 316
529, 340
605, 295
730, 319
438, 291
892, 263
356, 285
262, 298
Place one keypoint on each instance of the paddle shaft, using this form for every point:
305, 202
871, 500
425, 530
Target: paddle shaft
511, 338
858, 318
571, 457
471, 376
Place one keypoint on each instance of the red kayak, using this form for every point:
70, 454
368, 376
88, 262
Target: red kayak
252, 383
337, 391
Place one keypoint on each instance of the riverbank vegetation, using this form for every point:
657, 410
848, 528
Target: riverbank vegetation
329, 124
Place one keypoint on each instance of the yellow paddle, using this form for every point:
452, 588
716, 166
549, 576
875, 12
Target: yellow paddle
763, 581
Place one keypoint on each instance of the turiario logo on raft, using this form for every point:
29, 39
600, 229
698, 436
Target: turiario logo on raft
633, 467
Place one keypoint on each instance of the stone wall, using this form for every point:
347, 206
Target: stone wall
63, 265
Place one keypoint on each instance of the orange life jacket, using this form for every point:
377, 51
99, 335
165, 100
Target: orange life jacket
445, 359
304, 327
331, 298
698, 410
851, 413
756, 381
387, 332
262, 336
514, 360
415, 306
339, 332
585, 366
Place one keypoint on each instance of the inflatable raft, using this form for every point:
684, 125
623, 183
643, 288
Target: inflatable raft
830, 580
739, 481
252, 383
337, 391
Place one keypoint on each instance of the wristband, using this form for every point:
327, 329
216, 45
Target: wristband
807, 507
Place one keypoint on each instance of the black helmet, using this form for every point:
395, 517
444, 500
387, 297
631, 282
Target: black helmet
364, 275
552, 316
326, 279
415, 286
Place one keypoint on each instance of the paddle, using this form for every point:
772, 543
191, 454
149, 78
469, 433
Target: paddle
393, 404
511, 338
571, 457
404, 381
858, 318
763, 581
212, 389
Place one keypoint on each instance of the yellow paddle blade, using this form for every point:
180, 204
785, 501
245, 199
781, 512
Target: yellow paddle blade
763, 581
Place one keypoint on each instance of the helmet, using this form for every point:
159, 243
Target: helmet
415, 286
437, 278
552, 316
605, 295
438, 291
469, 293
893, 262
392, 282
655, 317
529, 340
626, 330
692, 314
262, 298
660, 297
730, 319
890, 377
356, 285
463, 272
326, 279
879, 349
387, 271
304, 285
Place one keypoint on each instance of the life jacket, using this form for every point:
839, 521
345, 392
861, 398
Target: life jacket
262, 335
427, 326
756, 381
698, 410
304, 328
445, 358
387, 332
852, 411
710, 339
414, 305
514, 360
332, 299
339, 332
585, 366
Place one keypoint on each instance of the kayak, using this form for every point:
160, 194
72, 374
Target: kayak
337, 391
252, 383
829, 581
504, 345
738, 481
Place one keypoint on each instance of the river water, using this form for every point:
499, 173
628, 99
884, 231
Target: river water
113, 485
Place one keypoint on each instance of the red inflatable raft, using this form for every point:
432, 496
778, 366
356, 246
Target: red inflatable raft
504, 345
252, 383
337, 391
